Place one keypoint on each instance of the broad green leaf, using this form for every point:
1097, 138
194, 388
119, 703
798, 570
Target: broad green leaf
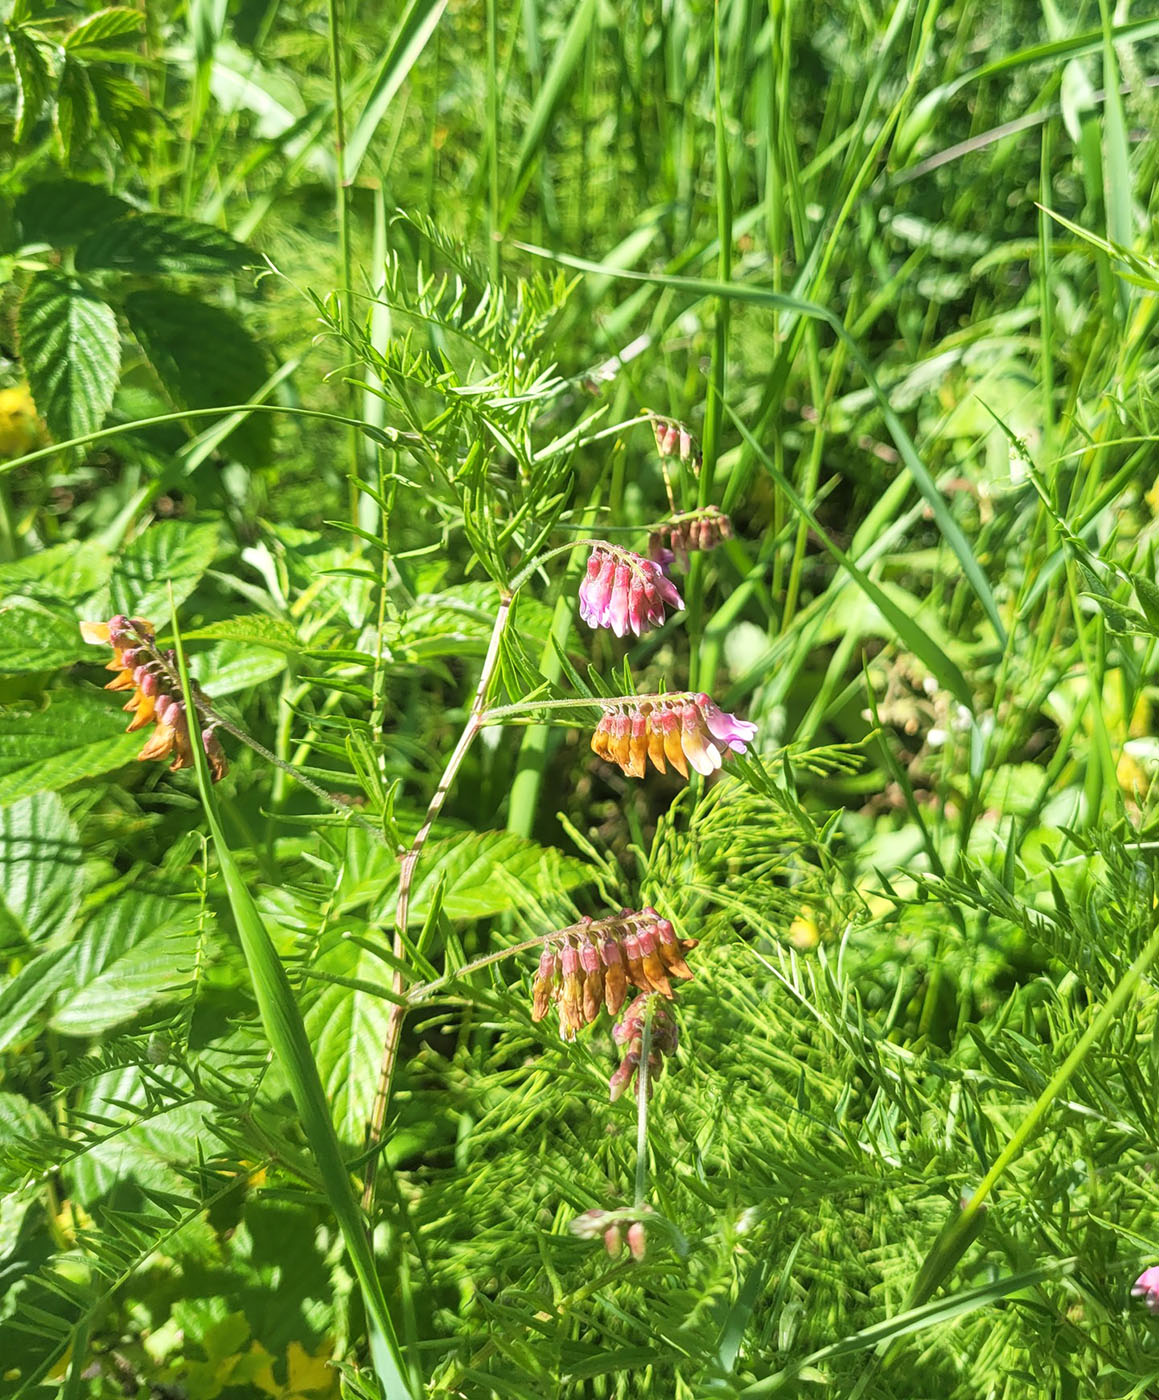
76, 105
146, 1151
41, 869
93, 36
72, 353
22, 998
169, 552
205, 359
1147, 593
152, 244
347, 1029
28, 53
482, 873
410, 38
232, 666
33, 638
64, 573
76, 734
62, 212
133, 951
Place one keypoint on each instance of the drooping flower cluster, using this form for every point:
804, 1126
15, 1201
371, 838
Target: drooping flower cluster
680, 729
674, 440
676, 539
629, 1032
625, 591
1146, 1286
612, 1226
156, 697
591, 965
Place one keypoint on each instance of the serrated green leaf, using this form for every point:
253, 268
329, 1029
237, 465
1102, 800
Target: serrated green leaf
168, 552
482, 873
33, 638
1148, 595
61, 212
28, 53
41, 869
64, 573
253, 629
150, 244
71, 351
76, 734
205, 359
233, 666
133, 951
95, 31
76, 106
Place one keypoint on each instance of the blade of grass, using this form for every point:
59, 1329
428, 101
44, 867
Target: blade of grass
410, 38
912, 636
551, 94
286, 1033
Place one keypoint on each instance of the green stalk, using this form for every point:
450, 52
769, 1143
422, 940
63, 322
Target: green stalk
342, 215
714, 403
290, 1044
493, 143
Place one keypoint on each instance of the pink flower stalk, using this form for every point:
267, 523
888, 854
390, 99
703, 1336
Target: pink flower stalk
630, 1033
625, 591
1146, 1286
680, 729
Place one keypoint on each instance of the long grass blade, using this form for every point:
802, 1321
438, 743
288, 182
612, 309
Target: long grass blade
288, 1040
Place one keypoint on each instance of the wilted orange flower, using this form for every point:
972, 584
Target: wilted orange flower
590, 966
151, 676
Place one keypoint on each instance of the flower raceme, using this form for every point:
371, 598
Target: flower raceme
1146, 1286
156, 697
590, 966
625, 591
680, 729
676, 539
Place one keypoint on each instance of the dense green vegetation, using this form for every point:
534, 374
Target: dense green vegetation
329, 339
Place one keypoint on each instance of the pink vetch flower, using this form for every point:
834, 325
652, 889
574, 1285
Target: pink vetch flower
680, 729
1146, 1286
625, 591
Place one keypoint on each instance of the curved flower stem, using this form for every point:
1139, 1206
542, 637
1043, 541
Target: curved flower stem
423, 990
406, 880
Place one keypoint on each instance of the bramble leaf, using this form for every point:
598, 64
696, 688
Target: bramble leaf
71, 351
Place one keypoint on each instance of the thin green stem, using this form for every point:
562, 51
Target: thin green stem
389, 435
342, 216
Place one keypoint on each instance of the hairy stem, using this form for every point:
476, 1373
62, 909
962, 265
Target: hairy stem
406, 881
